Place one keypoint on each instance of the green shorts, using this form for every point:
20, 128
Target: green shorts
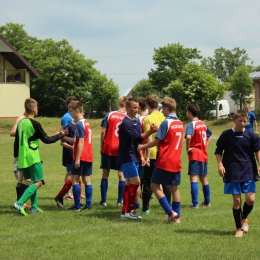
34, 172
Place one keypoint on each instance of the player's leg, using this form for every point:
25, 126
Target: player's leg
237, 214
125, 198
67, 182
175, 181
206, 190
105, 166
249, 188
121, 186
194, 190
87, 172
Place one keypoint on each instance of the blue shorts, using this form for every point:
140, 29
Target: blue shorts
108, 162
130, 169
237, 188
165, 177
85, 169
69, 167
198, 168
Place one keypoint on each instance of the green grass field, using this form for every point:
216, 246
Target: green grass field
207, 233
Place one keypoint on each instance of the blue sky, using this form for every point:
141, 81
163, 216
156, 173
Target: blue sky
121, 35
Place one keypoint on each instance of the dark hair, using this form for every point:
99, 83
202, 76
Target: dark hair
69, 99
142, 103
194, 109
130, 101
76, 105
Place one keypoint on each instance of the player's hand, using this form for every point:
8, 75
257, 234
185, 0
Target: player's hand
221, 170
65, 131
140, 147
153, 127
190, 150
77, 164
259, 171
143, 161
148, 162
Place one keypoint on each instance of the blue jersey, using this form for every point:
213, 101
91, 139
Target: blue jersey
129, 138
250, 122
238, 158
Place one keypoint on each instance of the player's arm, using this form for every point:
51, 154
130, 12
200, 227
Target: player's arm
153, 143
79, 152
13, 131
221, 168
188, 139
102, 137
256, 127
65, 144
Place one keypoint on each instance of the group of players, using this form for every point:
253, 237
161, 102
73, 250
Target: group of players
146, 152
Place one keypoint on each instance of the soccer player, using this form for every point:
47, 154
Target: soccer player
22, 184
156, 117
26, 148
251, 123
69, 161
142, 112
236, 153
167, 170
198, 137
66, 148
82, 156
130, 136
109, 150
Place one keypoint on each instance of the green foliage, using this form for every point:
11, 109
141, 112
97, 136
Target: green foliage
143, 88
170, 61
241, 86
225, 62
194, 85
64, 71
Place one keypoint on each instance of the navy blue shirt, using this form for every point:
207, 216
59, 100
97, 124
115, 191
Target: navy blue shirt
129, 138
238, 158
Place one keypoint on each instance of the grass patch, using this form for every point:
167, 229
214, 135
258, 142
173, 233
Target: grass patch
207, 233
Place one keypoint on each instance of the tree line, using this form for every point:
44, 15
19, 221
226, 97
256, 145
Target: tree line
181, 73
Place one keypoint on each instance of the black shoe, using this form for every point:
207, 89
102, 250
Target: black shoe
74, 208
59, 202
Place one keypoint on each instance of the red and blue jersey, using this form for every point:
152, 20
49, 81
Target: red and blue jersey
141, 120
111, 122
170, 134
199, 133
83, 130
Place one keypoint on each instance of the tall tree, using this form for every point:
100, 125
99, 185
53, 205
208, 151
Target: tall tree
241, 86
225, 62
170, 61
194, 85
143, 88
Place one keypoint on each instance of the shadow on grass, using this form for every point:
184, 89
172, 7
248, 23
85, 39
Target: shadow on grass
205, 231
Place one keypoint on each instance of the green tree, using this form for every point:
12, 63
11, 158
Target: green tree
225, 62
143, 88
194, 85
170, 61
64, 72
241, 86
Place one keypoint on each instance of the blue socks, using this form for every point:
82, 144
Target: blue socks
206, 192
103, 189
194, 190
88, 192
176, 206
165, 205
76, 195
121, 186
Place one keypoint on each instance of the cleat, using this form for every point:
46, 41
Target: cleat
59, 202
194, 207
205, 205
20, 208
132, 215
147, 212
245, 225
124, 215
26, 206
177, 220
69, 197
119, 204
37, 210
74, 208
85, 208
102, 204
82, 197
171, 217
239, 233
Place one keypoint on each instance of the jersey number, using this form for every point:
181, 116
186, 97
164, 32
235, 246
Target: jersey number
204, 137
179, 135
117, 129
